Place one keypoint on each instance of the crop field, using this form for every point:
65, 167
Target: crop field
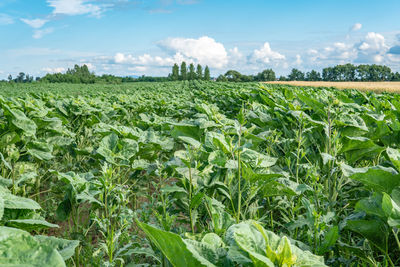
392, 87
198, 174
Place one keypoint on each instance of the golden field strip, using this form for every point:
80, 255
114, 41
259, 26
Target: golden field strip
393, 87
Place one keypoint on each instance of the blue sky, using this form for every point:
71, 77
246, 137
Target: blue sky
133, 37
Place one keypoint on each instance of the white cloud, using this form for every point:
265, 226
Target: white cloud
204, 50
235, 57
37, 34
372, 49
356, 27
6, 19
53, 70
75, 7
145, 60
266, 55
373, 42
298, 60
35, 23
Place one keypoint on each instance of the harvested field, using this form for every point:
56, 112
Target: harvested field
392, 87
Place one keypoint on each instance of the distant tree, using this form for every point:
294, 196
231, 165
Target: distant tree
233, 76
10, 78
20, 78
192, 73
207, 76
296, 75
395, 77
183, 71
313, 76
222, 78
199, 72
265, 75
175, 72
282, 78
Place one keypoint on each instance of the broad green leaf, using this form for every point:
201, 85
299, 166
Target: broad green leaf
376, 231
256, 159
191, 141
371, 205
19, 248
218, 158
377, 178
173, 247
19, 120
394, 156
17, 202
30, 224
392, 210
329, 240
65, 247
8, 166
40, 150
216, 141
356, 148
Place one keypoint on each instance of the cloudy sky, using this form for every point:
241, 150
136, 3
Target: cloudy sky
135, 37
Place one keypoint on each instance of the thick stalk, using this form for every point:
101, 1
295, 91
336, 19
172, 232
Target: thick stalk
239, 180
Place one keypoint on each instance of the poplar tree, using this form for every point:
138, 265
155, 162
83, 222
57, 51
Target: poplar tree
183, 71
192, 73
199, 72
175, 72
207, 76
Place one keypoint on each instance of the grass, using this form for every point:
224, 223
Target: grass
392, 87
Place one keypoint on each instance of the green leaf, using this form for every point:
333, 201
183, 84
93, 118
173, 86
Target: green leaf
19, 120
30, 224
377, 178
216, 141
65, 247
330, 239
256, 159
356, 148
218, 158
394, 156
19, 248
376, 231
191, 141
392, 210
371, 205
17, 202
173, 247
40, 150
8, 166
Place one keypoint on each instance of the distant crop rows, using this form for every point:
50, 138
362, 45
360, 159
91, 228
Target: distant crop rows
198, 174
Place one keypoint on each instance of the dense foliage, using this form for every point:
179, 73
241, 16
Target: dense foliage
347, 72
198, 174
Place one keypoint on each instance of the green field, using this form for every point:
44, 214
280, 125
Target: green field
198, 174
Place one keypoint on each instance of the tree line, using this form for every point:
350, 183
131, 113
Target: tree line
347, 72
187, 74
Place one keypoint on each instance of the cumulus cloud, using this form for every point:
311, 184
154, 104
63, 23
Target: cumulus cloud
372, 48
143, 60
235, 57
298, 61
35, 23
39, 33
356, 27
204, 50
54, 70
6, 19
266, 55
75, 7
